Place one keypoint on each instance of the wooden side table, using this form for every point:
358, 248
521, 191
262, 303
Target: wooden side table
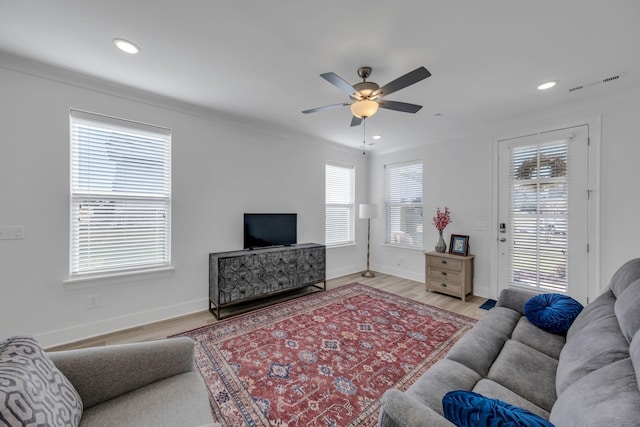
449, 274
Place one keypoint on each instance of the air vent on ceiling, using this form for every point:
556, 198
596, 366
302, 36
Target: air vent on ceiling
605, 80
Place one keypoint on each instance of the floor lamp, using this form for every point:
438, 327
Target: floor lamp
367, 212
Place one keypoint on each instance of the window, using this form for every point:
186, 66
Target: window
120, 195
339, 204
403, 203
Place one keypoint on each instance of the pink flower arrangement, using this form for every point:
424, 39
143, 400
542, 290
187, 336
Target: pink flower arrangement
442, 219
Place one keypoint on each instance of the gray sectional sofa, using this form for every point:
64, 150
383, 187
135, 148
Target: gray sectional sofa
587, 378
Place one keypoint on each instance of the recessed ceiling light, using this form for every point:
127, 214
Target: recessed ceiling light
126, 46
546, 85
376, 136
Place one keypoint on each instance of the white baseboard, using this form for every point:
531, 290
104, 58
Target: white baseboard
90, 330
398, 272
115, 324
482, 291
344, 271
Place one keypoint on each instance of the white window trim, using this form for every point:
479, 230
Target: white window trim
388, 205
350, 206
126, 273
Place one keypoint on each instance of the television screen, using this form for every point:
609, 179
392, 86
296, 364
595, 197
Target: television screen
263, 229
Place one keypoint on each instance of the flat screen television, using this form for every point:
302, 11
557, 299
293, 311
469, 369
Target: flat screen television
270, 229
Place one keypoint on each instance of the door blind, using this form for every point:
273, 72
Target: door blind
539, 216
120, 195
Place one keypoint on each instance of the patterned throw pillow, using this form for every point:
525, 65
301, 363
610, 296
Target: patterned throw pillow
33, 391
552, 312
469, 409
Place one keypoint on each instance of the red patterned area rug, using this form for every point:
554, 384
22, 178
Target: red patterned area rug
324, 359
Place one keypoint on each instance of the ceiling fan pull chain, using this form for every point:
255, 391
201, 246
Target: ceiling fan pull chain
364, 136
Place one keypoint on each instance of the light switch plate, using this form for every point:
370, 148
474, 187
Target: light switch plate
480, 226
12, 232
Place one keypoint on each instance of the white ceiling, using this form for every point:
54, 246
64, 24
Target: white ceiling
261, 60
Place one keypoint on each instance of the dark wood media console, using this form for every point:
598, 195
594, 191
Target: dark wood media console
239, 277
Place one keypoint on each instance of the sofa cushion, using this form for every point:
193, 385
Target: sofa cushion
526, 372
597, 399
479, 347
532, 336
552, 312
444, 376
626, 309
184, 404
402, 410
494, 390
602, 306
466, 408
32, 390
597, 344
626, 275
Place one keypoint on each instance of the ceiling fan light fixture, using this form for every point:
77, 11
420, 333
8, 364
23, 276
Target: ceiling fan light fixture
363, 109
365, 89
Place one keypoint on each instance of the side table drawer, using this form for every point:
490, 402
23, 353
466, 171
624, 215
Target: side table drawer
454, 289
446, 275
444, 263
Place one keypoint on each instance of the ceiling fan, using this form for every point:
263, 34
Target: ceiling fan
366, 96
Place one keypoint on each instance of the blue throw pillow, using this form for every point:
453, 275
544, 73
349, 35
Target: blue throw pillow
552, 312
466, 408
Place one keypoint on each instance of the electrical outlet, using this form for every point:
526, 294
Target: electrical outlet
92, 301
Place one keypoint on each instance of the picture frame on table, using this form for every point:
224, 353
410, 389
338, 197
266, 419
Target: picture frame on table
459, 245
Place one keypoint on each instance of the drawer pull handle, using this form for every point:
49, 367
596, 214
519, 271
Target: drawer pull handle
444, 285
442, 261
444, 273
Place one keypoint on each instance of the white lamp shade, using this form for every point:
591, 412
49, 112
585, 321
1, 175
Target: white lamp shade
363, 109
368, 211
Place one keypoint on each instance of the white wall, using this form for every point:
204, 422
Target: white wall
468, 191
220, 171
457, 174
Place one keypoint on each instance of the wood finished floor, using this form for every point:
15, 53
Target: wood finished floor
404, 287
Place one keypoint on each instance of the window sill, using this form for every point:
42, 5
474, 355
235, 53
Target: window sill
93, 280
405, 247
341, 245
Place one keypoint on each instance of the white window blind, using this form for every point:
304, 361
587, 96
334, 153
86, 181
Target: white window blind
120, 195
539, 216
339, 203
403, 203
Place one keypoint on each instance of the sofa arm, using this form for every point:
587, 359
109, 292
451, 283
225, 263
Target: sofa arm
514, 299
102, 373
401, 410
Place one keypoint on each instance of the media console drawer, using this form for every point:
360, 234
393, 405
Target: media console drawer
449, 274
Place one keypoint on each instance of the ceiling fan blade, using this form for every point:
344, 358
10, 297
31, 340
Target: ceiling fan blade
408, 79
326, 107
339, 82
399, 106
355, 121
